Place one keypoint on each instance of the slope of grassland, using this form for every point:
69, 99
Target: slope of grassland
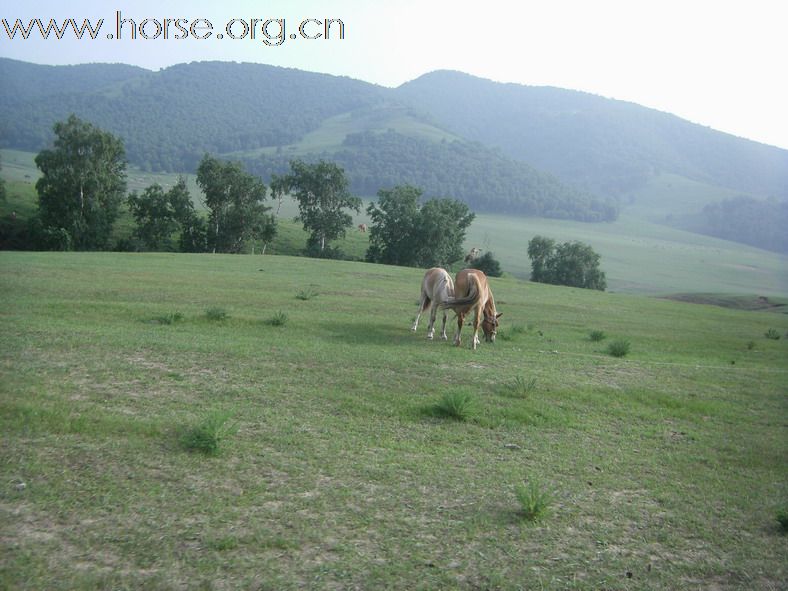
642, 257
665, 467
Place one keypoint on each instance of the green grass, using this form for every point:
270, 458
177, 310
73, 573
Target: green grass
668, 464
209, 434
641, 257
534, 500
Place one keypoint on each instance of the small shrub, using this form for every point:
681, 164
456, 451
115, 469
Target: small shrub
596, 336
278, 319
750, 345
618, 348
207, 436
306, 294
534, 500
488, 264
455, 405
169, 318
772, 334
520, 386
216, 313
782, 519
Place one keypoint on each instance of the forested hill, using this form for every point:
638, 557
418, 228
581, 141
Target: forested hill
481, 177
170, 118
603, 145
262, 114
499, 147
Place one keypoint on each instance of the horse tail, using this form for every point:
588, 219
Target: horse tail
426, 301
473, 297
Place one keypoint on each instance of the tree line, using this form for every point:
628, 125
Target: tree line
758, 222
83, 186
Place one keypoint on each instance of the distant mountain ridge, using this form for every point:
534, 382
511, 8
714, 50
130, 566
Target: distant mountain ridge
500, 147
602, 145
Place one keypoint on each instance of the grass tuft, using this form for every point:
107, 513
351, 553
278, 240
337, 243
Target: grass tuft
772, 334
782, 519
534, 499
306, 294
596, 336
618, 348
208, 435
168, 319
455, 405
520, 386
278, 319
217, 314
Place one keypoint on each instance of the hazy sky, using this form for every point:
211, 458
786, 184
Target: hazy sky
720, 63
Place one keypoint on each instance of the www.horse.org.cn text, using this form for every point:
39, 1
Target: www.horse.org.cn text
268, 31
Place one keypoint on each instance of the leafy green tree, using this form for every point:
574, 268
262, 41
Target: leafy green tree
577, 265
405, 233
83, 181
572, 263
488, 264
235, 200
321, 190
541, 250
194, 234
159, 215
394, 218
440, 232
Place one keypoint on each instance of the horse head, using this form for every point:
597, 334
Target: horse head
490, 326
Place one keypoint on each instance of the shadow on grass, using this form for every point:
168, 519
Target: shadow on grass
371, 333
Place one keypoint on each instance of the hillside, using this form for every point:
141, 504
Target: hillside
501, 148
602, 145
483, 178
169, 119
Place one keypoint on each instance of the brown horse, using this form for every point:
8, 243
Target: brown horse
436, 288
473, 293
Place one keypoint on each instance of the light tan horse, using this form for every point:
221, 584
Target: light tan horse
473, 293
436, 288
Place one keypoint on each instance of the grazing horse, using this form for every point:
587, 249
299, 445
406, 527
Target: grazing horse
362, 228
436, 288
473, 293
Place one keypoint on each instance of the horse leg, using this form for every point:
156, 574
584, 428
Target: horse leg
433, 315
443, 327
425, 301
476, 323
460, 320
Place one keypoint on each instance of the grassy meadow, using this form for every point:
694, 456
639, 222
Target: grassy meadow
347, 452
